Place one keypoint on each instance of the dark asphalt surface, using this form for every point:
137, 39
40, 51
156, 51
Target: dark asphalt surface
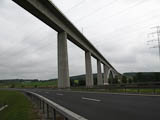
106, 106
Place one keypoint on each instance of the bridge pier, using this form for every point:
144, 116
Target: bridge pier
99, 73
88, 65
113, 76
63, 70
48, 13
106, 69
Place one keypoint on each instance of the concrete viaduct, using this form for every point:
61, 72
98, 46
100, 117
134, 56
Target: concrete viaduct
47, 12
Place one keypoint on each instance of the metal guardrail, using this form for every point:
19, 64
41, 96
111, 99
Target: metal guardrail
138, 87
50, 108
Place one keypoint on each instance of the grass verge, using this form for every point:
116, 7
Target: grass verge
29, 84
19, 107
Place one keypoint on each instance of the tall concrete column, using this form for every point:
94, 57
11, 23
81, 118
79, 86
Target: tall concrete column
113, 76
89, 75
99, 73
63, 71
106, 75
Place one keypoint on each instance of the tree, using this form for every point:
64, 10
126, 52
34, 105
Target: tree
12, 86
139, 77
129, 80
115, 80
156, 77
124, 79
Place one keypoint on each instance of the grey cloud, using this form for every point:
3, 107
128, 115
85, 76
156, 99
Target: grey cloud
28, 47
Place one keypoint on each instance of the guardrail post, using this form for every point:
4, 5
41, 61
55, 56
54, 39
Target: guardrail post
43, 106
54, 114
52, 111
32, 97
47, 110
37, 101
40, 104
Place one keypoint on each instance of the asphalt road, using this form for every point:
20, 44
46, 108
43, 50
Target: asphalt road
100, 106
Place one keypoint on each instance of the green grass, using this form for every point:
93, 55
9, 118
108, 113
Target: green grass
19, 107
38, 84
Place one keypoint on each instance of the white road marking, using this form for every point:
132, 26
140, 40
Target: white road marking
109, 93
59, 108
47, 92
59, 94
96, 100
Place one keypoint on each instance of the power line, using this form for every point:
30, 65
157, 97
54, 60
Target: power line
137, 21
78, 4
95, 11
121, 30
118, 13
128, 8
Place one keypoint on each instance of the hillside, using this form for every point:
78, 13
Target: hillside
144, 76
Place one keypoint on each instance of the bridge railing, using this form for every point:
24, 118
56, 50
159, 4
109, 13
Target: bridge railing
51, 110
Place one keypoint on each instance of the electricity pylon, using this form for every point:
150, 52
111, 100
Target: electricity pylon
157, 39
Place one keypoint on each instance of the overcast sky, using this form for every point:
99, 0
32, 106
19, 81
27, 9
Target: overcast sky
117, 28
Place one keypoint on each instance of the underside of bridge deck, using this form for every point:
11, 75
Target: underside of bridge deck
47, 12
